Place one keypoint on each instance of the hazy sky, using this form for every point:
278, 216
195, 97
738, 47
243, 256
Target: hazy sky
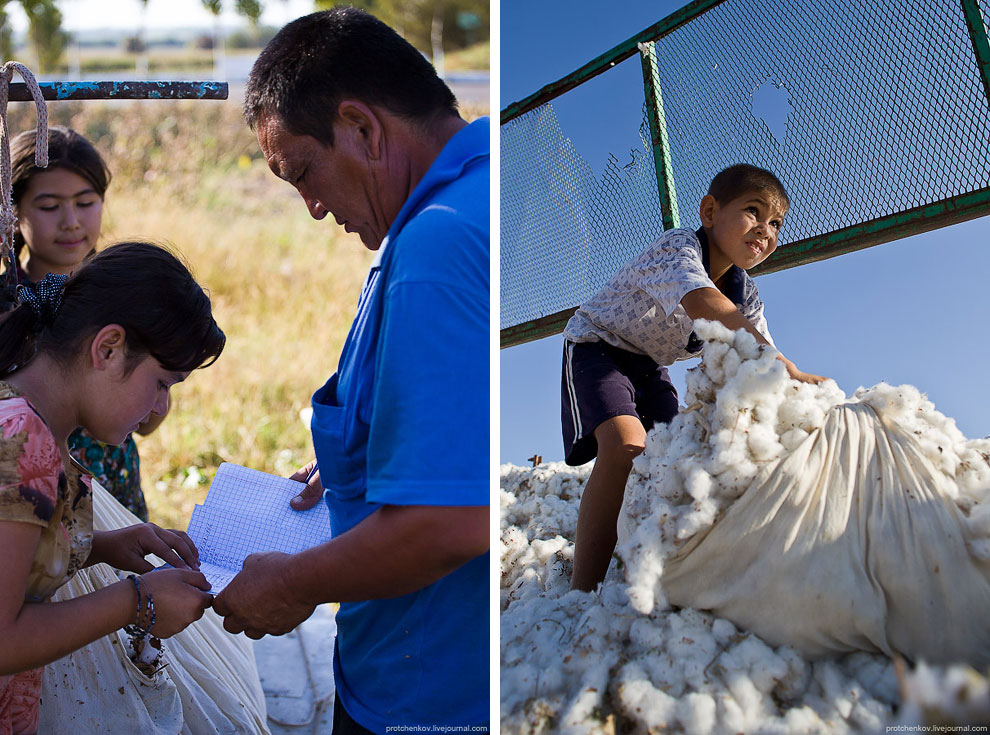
911, 311
87, 15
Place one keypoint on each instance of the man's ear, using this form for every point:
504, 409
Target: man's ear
107, 348
359, 120
707, 210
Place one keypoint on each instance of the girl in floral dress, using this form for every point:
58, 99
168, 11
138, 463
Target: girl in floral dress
100, 350
60, 211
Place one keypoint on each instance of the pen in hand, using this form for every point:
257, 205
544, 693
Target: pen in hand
308, 497
316, 468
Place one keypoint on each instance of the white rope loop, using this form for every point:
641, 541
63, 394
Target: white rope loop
8, 221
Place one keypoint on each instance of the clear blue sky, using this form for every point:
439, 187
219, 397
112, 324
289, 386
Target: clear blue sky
911, 311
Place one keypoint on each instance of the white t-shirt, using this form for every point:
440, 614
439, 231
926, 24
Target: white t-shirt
639, 309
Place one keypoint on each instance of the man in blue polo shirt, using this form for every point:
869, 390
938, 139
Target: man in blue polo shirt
357, 120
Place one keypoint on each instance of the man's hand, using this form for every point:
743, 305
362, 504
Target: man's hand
126, 548
313, 492
259, 600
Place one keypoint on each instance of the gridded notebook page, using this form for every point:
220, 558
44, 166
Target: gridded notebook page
246, 512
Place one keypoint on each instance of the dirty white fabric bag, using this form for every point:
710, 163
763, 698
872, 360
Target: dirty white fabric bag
850, 541
209, 685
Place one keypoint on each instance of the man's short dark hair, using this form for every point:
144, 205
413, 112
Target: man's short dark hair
318, 60
740, 178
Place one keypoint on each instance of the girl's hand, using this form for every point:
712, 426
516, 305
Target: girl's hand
126, 548
179, 595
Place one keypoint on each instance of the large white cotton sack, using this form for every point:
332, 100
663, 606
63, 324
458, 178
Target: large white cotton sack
824, 523
852, 541
209, 685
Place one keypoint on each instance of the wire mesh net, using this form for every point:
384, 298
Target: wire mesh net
864, 109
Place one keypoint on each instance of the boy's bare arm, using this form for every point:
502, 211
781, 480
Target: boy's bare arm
712, 304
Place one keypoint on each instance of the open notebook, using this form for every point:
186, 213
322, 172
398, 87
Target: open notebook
246, 512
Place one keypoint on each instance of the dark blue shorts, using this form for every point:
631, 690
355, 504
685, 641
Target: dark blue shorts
599, 382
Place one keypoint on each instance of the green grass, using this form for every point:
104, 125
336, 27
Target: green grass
472, 58
284, 286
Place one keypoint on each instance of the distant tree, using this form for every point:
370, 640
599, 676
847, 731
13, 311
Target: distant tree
216, 7
45, 32
140, 43
432, 26
250, 9
6, 36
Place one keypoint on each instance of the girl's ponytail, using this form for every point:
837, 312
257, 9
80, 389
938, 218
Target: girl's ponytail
17, 338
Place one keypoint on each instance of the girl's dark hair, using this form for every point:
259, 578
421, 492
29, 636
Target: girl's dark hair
142, 287
66, 149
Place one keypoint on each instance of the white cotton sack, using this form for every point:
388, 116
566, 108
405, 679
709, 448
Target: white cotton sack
868, 531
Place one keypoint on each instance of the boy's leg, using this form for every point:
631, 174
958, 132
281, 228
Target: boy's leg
620, 439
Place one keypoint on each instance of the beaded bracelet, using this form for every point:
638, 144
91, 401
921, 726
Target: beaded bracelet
136, 629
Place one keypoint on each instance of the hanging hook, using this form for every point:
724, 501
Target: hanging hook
8, 221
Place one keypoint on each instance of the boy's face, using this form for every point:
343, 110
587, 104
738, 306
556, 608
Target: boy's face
743, 231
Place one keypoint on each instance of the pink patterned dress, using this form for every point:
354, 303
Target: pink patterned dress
36, 488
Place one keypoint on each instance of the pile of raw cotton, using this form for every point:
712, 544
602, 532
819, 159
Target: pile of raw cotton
624, 660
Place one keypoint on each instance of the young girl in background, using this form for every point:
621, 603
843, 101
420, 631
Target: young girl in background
59, 218
100, 350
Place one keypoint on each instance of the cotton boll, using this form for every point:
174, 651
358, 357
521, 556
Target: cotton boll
723, 631
715, 354
875, 674
957, 695
731, 715
978, 531
698, 386
834, 687
696, 714
702, 515
973, 472
643, 568
730, 364
792, 438
692, 646
750, 699
697, 482
710, 331
795, 680
645, 634
749, 349
806, 720
755, 657
763, 443
639, 699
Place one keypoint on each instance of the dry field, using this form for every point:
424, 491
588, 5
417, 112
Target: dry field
189, 174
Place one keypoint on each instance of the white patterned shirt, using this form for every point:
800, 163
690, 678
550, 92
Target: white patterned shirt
639, 309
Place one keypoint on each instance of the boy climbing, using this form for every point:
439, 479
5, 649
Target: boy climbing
615, 385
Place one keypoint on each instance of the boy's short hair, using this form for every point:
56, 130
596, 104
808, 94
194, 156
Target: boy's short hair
740, 178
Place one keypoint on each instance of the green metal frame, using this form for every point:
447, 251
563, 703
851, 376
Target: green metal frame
609, 59
658, 135
850, 239
981, 46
